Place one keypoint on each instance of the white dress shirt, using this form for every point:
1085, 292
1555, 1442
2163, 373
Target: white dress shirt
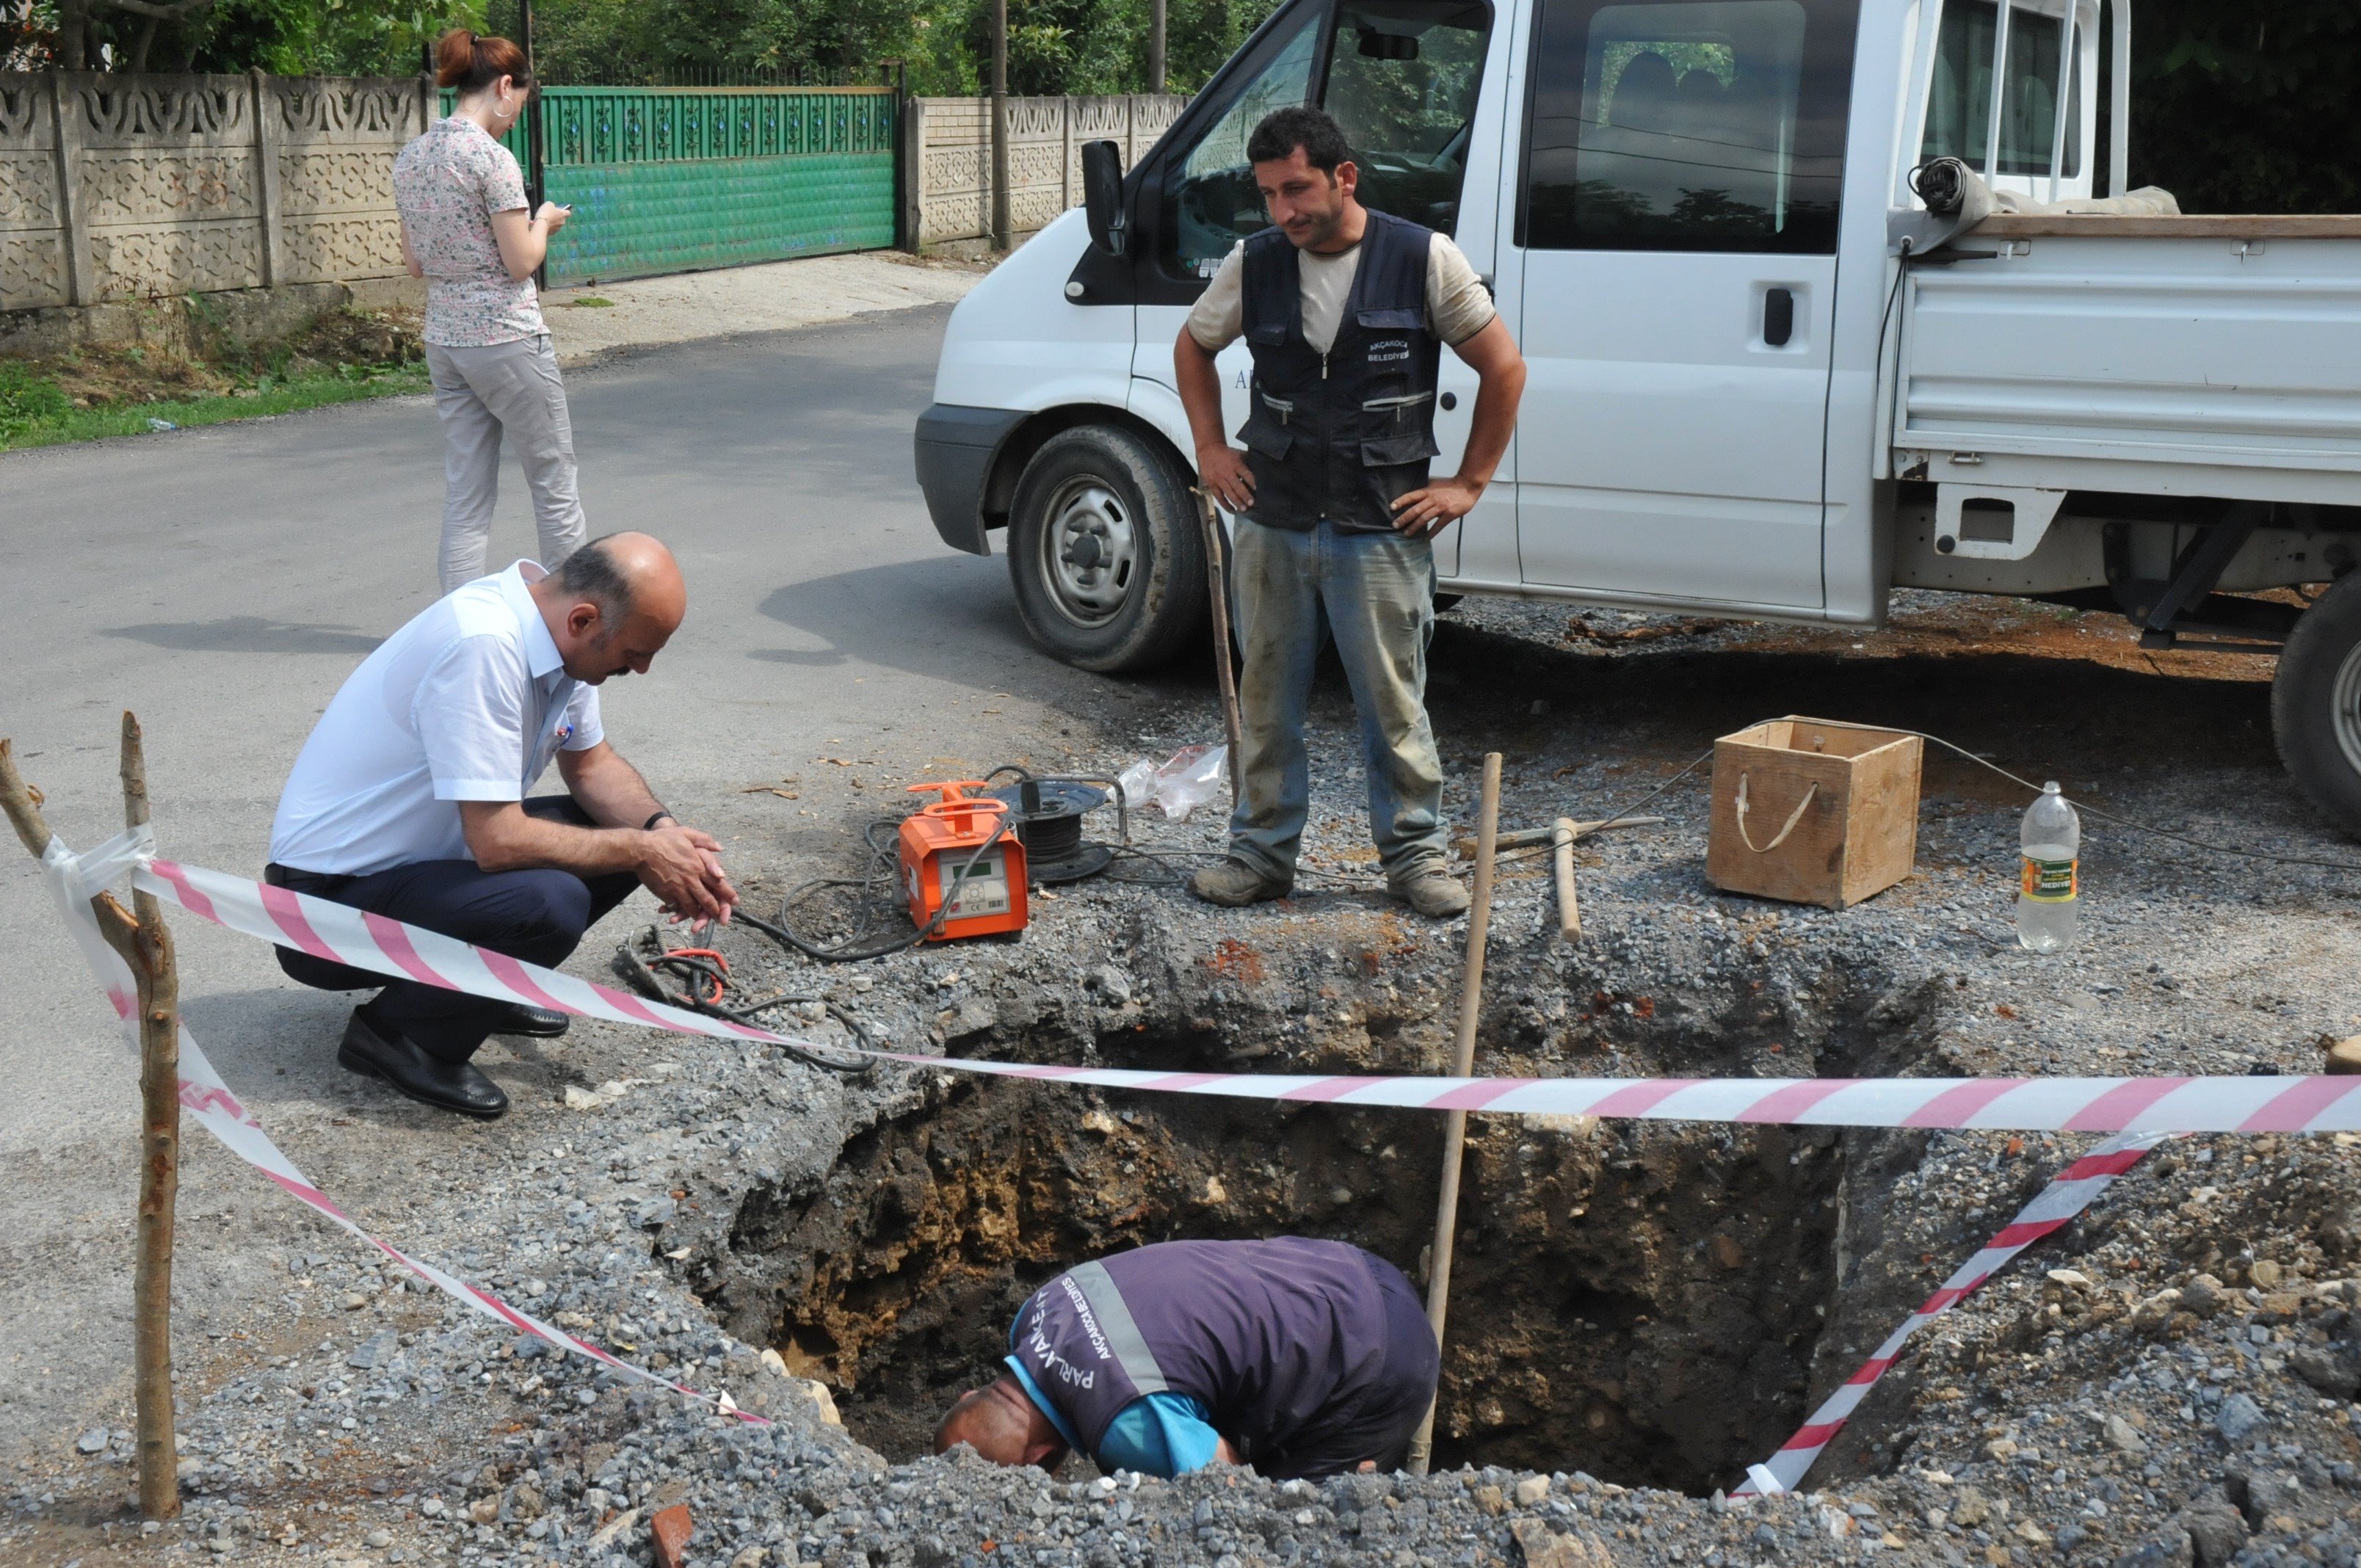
470, 701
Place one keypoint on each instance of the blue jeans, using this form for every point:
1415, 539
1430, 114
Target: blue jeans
537, 916
1373, 595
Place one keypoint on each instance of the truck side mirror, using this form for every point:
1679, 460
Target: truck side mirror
1103, 195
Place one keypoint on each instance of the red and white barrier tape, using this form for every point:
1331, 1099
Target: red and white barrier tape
2241, 1104
2075, 1190
73, 881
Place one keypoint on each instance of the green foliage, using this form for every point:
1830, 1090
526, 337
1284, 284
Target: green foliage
2248, 108
28, 402
2235, 108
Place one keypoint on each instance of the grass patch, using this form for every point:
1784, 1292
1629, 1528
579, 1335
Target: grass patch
589, 302
280, 397
133, 389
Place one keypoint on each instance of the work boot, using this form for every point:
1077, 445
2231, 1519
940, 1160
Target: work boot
1234, 884
1431, 894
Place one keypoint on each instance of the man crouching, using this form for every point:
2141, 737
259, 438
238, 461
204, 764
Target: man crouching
1298, 1357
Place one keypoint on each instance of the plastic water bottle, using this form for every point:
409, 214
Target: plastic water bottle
2051, 838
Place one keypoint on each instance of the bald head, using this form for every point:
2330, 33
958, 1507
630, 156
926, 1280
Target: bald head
1003, 1426
612, 605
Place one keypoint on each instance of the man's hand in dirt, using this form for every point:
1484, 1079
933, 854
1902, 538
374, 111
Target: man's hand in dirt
1222, 471
682, 866
1424, 514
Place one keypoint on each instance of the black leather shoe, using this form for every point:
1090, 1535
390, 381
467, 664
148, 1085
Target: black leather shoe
538, 1022
446, 1086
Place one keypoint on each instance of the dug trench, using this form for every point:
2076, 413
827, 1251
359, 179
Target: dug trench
1650, 1303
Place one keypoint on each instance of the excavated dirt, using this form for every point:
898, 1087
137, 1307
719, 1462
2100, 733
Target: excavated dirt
1643, 1303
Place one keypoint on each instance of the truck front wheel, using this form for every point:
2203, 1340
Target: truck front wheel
1104, 550
2316, 702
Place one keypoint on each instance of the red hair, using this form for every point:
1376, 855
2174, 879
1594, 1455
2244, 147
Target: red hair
472, 63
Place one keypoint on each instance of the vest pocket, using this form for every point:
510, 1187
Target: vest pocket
1392, 451
1412, 320
1265, 438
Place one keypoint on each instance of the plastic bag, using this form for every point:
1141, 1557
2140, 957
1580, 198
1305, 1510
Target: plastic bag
1189, 778
1139, 781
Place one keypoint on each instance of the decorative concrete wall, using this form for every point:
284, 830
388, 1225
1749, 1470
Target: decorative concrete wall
947, 158
120, 187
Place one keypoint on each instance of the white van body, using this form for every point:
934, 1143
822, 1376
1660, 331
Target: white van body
1745, 398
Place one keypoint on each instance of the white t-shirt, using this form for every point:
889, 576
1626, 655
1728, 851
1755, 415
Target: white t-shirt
1458, 306
470, 701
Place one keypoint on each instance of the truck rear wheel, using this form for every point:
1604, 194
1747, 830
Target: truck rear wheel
2316, 704
1104, 552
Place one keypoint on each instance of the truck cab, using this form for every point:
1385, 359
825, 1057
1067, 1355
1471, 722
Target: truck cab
1763, 381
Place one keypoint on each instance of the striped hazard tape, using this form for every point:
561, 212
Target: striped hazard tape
2075, 1190
73, 881
2147, 1110
2241, 1104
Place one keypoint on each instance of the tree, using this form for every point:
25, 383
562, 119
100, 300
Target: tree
2248, 108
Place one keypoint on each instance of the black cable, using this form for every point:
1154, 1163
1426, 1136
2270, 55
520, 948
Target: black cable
2105, 816
1877, 360
1630, 810
849, 951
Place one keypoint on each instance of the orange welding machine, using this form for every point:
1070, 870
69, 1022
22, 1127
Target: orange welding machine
959, 850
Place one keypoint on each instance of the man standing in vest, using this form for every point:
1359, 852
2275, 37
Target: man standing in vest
1345, 311
1298, 1357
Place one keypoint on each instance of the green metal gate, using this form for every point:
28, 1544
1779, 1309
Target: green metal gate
680, 179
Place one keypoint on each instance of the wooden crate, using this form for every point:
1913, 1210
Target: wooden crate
1832, 811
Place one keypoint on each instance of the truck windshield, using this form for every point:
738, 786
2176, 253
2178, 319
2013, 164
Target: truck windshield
1698, 125
1401, 81
1958, 103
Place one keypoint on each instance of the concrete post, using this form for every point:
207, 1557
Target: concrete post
267, 141
82, 274
1000, 215
913, 174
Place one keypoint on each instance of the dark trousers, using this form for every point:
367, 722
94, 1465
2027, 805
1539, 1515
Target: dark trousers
535, 916
1377, 1422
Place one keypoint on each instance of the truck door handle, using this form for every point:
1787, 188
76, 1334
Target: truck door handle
1778, 316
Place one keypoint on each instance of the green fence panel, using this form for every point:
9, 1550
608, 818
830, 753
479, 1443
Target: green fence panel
673, 180
634, 219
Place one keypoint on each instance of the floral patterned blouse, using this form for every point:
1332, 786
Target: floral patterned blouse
448, 184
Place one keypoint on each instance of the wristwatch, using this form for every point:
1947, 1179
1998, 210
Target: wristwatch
659, 817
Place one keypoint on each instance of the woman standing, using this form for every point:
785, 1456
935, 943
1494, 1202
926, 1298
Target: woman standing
465, 230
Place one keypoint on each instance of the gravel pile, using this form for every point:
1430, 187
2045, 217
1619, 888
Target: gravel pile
2168, 1381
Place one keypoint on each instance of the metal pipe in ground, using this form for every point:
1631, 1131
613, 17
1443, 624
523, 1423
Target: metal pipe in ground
1217, 583
1455, 1123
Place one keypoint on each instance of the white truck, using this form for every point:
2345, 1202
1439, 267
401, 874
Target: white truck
1748, 396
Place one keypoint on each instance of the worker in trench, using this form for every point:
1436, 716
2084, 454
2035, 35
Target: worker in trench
1347, 311
413, 800
1298, 1357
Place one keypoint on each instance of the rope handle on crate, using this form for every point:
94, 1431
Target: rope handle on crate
1793, 818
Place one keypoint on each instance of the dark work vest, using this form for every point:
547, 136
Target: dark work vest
1278, 1339
1340, 435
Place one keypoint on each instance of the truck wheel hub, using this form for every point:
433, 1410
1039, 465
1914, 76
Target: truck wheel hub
1088, 551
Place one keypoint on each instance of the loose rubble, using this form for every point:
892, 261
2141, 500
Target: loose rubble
2168, 1383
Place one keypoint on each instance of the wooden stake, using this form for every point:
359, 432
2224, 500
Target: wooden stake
139, 936
1455, 1123
146, 947
1569, 910
1217, 583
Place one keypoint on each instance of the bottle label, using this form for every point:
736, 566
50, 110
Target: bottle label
2048, 882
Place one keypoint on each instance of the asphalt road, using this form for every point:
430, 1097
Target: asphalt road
222, 583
